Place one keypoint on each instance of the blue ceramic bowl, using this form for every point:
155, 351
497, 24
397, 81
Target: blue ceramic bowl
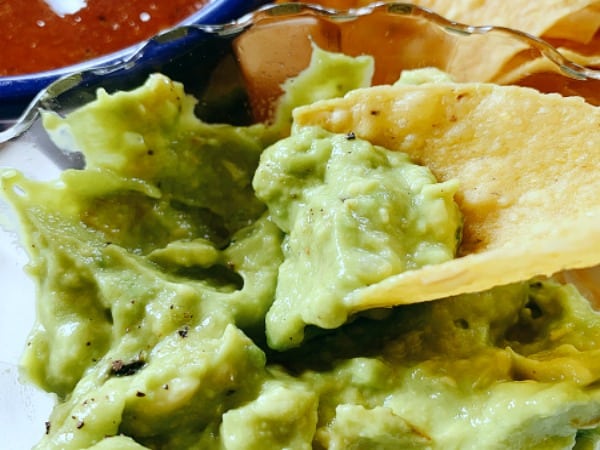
17, 91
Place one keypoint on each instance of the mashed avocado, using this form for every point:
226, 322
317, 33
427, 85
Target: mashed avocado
353, 214
175, 268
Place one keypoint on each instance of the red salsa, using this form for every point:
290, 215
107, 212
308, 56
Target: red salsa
36, 38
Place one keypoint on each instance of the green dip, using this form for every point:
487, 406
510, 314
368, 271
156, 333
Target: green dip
353, 214
191, 282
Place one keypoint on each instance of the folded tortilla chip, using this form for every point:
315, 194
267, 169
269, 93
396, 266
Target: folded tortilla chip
545, 76
553, 18
539, 72
574, 20
522, 64
528, 166
579, 26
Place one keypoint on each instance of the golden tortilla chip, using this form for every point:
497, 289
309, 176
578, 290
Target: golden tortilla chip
576, 20
527, 163
557, 21
554, 82
545, 76
522, 65
579, 26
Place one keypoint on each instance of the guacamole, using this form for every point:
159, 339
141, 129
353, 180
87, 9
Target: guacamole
191, 282
353, 215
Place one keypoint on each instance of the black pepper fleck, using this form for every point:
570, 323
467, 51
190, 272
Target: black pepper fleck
351, 136
184, 331
122, 369
140, 394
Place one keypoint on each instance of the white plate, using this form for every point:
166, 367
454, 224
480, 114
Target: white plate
24, 408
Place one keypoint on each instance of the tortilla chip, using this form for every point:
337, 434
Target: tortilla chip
523, 64
545, 76
580, 26
576, 22
555, 82
554, 18
528, 169
590, 49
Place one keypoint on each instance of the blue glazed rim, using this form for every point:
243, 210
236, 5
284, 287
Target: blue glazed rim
16, 92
